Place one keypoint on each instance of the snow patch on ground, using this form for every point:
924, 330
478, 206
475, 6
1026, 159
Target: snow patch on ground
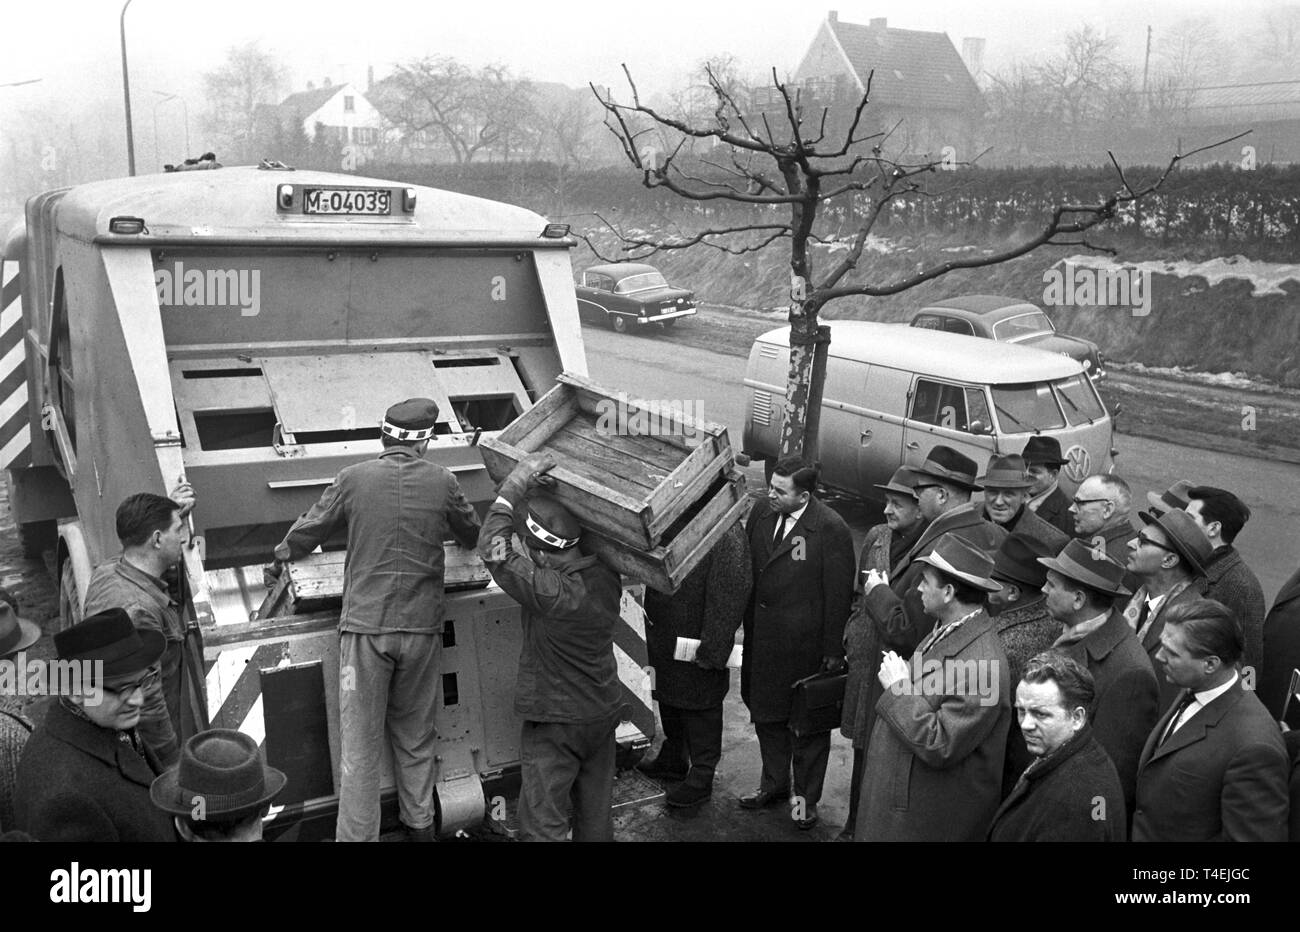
1266, 278
1217, 379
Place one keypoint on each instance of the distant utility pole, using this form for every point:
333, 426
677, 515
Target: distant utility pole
1146, 71
126, 96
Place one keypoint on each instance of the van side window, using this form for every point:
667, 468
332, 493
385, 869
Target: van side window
978, 408
939, 404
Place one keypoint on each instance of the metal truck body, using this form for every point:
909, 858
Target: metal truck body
246, 328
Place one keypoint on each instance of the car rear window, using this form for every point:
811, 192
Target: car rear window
1026, 407
1079, 399
1022, 325
643, 282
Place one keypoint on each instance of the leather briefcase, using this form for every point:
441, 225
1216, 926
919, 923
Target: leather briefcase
818, 703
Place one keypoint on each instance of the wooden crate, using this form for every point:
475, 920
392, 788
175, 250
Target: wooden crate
628, 486
652, 503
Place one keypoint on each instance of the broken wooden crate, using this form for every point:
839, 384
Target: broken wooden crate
653, 488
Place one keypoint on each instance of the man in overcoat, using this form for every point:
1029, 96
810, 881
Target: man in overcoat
707, 607
1006, 494
1043, 462
802, 555
1070, 791
1282, 651
934, 772
85, 772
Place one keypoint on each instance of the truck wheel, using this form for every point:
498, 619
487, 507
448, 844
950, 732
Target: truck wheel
69, 602
36, 537
618, 323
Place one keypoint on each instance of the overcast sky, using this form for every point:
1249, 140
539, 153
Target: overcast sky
72, 46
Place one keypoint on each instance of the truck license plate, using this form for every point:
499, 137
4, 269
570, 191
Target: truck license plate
356, 201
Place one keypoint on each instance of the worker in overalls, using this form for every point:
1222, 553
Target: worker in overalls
568, 690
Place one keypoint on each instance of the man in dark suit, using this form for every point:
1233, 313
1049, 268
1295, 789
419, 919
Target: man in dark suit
1081, 592
1043, 462
1102, 508
1070, 791
1282, 651
1214, 768
944, 483
794, 626
85, 773
1168, 557
934, 769
1221, 515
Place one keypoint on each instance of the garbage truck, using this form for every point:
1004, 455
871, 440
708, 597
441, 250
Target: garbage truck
245, 328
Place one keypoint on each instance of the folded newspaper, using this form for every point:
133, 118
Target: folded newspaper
687, 648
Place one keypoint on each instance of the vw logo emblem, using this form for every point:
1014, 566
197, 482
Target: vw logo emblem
1079, 466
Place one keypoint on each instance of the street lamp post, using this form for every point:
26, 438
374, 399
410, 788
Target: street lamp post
126, 95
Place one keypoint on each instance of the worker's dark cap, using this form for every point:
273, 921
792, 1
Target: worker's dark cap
412, 419
1043, 451
549, 525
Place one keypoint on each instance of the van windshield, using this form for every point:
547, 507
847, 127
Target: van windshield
1027, 407
1079, 398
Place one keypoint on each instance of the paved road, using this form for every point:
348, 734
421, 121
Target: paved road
647, 368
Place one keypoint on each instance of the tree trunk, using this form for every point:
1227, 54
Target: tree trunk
800, 433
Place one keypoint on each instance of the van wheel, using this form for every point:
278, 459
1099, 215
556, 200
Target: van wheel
618, 323
69, 601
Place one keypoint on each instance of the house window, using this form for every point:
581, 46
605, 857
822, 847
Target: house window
364, 135
349, 103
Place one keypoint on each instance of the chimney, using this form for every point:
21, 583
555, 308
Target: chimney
370, 78
972, 53
832, 16
880, 23
327, 82
311, 85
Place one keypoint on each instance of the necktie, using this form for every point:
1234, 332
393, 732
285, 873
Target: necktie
779, 535
1187, 700
1143, 613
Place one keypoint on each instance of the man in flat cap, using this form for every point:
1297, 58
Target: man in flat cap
1006, 486
221, 789
396, 510
934, 771
943, 486
568, 691
1043, 462
1083, 589
1168, 557
86, 771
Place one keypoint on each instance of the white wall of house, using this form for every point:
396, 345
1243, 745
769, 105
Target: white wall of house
348, 112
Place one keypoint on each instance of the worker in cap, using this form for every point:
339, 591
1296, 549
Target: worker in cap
396, 510
568, 691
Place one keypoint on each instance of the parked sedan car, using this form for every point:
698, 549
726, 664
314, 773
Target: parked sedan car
1008, 320
629, 295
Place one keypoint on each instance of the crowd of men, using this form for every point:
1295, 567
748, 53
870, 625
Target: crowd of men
1030, 666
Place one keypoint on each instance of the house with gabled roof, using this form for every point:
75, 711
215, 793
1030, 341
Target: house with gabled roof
340, 111
918, 83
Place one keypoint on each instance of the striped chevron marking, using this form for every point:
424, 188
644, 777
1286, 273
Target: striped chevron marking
634, 664
15, 427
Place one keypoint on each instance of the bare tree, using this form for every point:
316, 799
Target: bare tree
780, 166
1020, 113
1080, 76
250, 76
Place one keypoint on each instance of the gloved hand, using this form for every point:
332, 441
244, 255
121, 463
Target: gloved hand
529, 473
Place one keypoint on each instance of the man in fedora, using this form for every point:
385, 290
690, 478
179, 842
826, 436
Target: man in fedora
1168, 557
1006, 491
1082, 589
221, 789
85, 773
884, 549
1221, 515
794, 628
16, 635
396, 510
1214, 768
939, 740
567, 692
1043, 462
1173, 497
1022, 624
944, 483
